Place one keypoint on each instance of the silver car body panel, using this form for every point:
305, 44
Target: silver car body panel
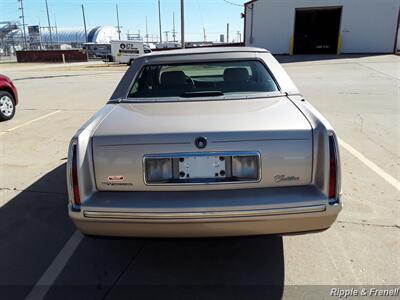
206, 213
291, 136
241, 125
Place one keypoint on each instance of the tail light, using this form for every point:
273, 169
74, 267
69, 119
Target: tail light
74, 175
159, 170
245, 167
332, 167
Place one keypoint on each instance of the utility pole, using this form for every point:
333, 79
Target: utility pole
147, 34
84, 22
159, 20
22, 16
204, 34
55, 25
166, 35
119, 28
40, 36
173, 26
239, 35
48, 21
182, 24
227, 32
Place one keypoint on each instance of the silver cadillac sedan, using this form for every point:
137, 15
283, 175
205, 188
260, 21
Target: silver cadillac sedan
204, 142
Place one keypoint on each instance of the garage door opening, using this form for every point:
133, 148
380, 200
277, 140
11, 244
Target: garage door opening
317, 30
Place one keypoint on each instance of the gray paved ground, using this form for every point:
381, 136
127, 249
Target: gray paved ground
359, 96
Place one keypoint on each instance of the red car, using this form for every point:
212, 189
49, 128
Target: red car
8, 98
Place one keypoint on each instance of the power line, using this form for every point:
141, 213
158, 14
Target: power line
233, 3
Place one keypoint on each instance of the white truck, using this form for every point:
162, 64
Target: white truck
125, 52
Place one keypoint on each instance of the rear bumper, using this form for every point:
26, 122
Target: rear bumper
198, 214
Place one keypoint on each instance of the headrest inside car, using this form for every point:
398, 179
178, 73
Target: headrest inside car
236, 75
173, 79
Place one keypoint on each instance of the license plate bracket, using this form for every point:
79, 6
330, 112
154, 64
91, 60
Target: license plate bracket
202, 167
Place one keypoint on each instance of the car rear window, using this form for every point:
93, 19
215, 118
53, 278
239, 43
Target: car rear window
203, 79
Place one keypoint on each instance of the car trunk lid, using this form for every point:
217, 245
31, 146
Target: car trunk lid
273, 127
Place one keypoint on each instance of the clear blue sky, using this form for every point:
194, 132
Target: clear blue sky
212, 14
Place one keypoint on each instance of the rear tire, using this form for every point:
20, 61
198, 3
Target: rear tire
7, 106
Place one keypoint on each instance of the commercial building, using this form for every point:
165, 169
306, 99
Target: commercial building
322, 26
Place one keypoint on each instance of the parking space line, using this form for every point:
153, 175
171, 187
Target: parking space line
41, 288
30, 122
390, 179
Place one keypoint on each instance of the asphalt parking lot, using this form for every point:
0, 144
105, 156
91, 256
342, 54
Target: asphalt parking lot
42, 256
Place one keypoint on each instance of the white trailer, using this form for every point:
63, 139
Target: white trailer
125, 52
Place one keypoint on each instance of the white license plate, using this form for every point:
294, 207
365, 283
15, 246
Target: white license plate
202, 167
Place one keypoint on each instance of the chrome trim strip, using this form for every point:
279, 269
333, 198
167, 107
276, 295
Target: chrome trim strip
211, 153
147, 144
255, 140
205, 153
203, 214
